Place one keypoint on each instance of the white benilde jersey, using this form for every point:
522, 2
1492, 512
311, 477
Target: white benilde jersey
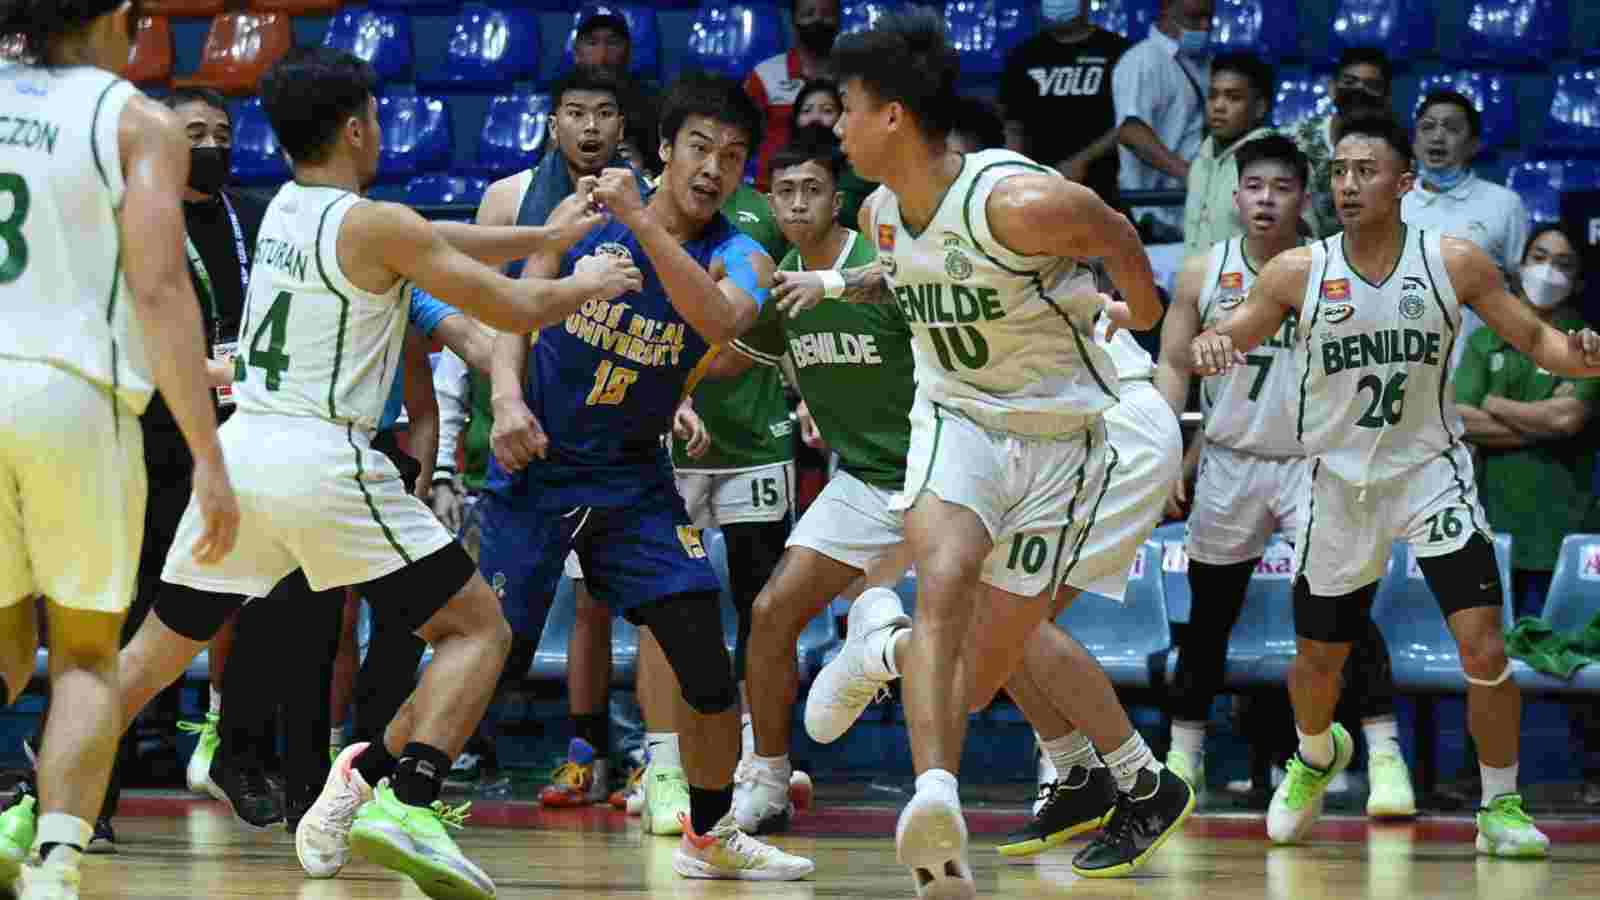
63, 298
1004, 339
1372, 397
1249, 408
313, 344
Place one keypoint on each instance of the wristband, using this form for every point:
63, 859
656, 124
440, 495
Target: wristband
832, 284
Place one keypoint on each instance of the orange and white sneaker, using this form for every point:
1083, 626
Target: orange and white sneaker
630, 797
322, 840
726, 853
573, 783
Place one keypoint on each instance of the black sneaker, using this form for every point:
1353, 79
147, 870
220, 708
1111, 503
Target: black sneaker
1076, 803
104, 839
297, 804
1141, 822
248, 794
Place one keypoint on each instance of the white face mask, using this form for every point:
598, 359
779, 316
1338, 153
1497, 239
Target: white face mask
1060, 12
1545, 285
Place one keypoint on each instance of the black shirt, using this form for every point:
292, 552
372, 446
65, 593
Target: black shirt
211, 230
1061, 93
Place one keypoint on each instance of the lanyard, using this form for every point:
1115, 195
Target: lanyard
204, 276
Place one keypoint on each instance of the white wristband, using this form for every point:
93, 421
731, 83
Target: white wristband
832, 284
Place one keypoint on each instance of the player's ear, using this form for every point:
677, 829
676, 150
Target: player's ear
666, 151
838, 204
1408, 179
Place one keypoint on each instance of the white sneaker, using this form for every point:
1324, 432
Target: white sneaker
1297, 803
845, 688
761, 802
49, 881
931, 840
198, 771
726, 852
1390, 792
322, 840
666, 800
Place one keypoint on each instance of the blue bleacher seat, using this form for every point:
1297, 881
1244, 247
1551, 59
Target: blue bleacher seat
416, 136
1574, 120
1493, 93
1131, 640
1267, 28
1129, 18
819, 637
1528, 33
513, 133
731, 38
1539, 183
859, 15
1422, 650
984, 31
489, 48
1300, 98
717, 551
1402, 28
440, 190
1263, 641
644, 35
381, 37
257, 159
1174, 569
550, 658
1573, 602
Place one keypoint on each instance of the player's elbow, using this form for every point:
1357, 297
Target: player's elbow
1569, 422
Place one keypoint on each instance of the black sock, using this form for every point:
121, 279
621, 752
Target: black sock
375, 763
707, 806
419, 776
595, 728
44, 849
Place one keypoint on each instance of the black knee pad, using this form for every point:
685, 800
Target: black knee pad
197, 615
1332, 620
689, 629
754, 549
1466, 579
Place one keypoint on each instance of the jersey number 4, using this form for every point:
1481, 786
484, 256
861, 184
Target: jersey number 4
16, 258
270, 359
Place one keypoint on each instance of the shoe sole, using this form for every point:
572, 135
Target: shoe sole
202, 786
1035, 846
689, 867
1391, 812
1124, 868
1502, 852
934, 837
100, 848
435, 881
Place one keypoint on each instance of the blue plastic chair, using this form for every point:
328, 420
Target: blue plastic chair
513, 134
1492, 93
644, 37
1573, 123
1539, 182
1262, 644
381, 37
257, 158
416, 136
1573, 602
442, 190
985, 31
1172, 538
861, 15
1266, 28
489, 48
1528, 33
820, 636
1299, 99
1402, 28
1131, 641
1422, 650
1130, 18
550, 658
716, 548
731, 38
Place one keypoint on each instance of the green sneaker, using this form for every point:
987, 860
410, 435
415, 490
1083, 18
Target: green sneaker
1504, 829
17, 825
199, 772
412, 840
666, 799
1297, 802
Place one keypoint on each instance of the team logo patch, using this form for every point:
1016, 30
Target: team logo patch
1229, 301
1334, 313
612, 248
498, 583
1336, 289
1231, 281
888, 264
886, 238
1411, 306
957, 266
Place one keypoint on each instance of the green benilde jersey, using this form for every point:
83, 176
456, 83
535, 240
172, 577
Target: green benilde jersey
855, 368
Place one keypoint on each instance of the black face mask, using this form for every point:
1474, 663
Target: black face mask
817, 37
1352, 101
209, 168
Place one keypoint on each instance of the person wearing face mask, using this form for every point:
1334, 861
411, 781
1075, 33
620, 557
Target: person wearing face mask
1158, 89
1362, 84
1536, 472
1450, 198
776, 81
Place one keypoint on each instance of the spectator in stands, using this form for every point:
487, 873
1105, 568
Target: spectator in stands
1537, 472
820, 103
1236, 113
1450, 198
1363, 83
1160, 110
978, 126
1063, 74
602, 40
776, 82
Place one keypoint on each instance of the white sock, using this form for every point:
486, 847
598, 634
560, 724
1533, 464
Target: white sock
69, 831
1495, 781
216, 702
661, 748
1189, 738
777, 765
1383, 736
747, 737
1127, 761
336, 736
1071, 749
941, 781
1317, 749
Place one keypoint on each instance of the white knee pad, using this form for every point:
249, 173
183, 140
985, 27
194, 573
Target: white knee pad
1495, 683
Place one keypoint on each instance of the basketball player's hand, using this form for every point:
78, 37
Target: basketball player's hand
1178, 498
609, 277
688, 427
1585, 341
1118, 314
617, 191
1213, 354
574, 218
809, 434
517, 437
219, 510
446, 505
796, 292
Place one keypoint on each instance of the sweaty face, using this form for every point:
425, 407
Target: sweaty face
704, 165
1231, 107
818, 108
1270, 197
1369, 177
803, 199
588, 127
1444, 137
603, 47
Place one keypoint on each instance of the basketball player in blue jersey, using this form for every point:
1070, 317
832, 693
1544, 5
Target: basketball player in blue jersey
606, 384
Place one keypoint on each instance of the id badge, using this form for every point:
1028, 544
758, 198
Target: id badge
225, 352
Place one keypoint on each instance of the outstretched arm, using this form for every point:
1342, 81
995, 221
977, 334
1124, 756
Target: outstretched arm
1478, 284
1181, 326
1276, 293
495, 245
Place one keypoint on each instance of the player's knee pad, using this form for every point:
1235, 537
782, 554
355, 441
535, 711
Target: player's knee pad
195, 614
1332, 620
1465, 579
689, 629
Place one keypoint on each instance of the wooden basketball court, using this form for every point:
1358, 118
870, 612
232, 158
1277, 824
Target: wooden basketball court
188, 848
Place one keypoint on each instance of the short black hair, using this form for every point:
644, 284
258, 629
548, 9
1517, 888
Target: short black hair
1459, 100
979, 119
600, 79
814, 86
906, 59
185, 95
1383, 128
310, 93
1277, 148
813, 143
717, 97
1251, 68
1368, 56
32, 26
1545, 228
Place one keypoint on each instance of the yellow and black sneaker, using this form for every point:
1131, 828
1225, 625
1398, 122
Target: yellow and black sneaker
1080, 801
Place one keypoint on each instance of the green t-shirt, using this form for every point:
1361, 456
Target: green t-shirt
855, 369
747, 416
480, 425
1537, 494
